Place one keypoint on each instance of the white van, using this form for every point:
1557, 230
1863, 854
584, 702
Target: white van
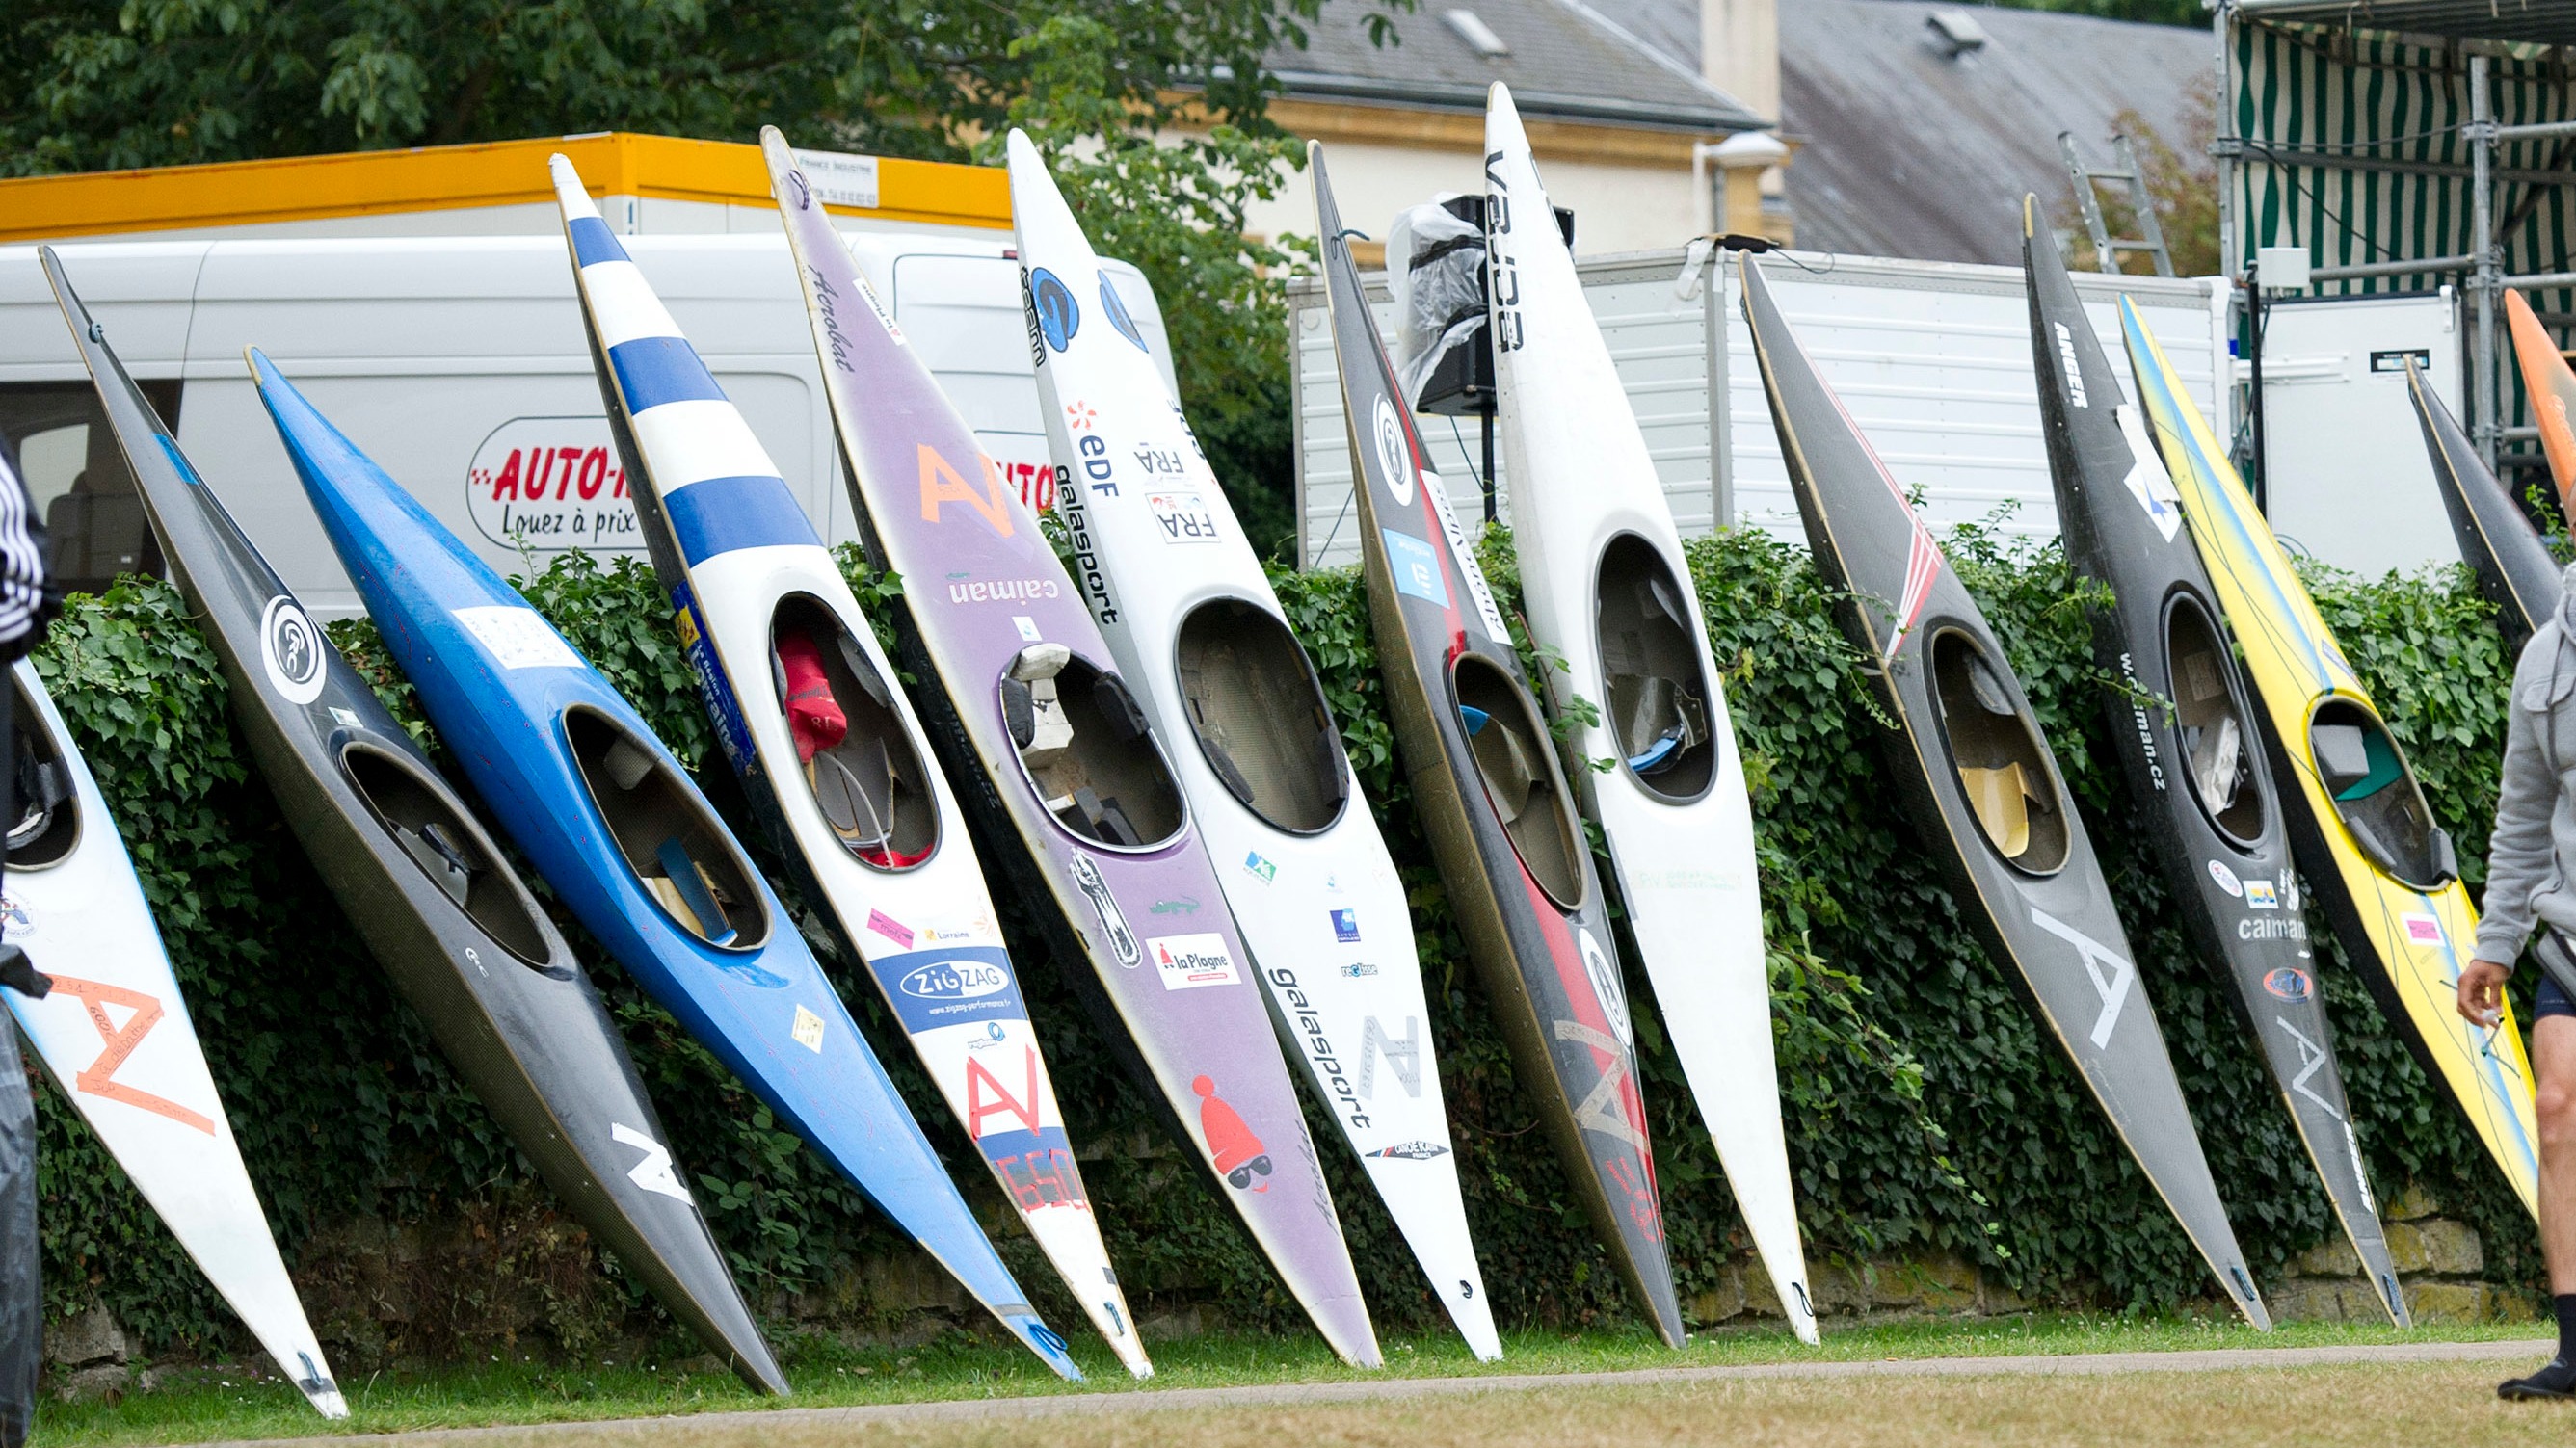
459, 364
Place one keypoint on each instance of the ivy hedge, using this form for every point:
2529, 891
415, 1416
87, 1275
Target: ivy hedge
1926, 1113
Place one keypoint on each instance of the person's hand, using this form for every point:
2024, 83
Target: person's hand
2482, 992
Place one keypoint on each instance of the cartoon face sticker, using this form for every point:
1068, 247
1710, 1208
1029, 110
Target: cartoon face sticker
1239, 1155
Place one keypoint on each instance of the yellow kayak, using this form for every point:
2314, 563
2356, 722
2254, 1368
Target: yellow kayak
2365, 838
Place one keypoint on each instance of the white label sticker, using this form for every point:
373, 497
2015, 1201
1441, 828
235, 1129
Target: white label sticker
1187, 962
1183, 517
808, 1030
840, 178
292, 650
518, 638
2226, 878
1393, 456
2147, 480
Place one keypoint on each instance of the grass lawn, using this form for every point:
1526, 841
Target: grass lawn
2432, 1398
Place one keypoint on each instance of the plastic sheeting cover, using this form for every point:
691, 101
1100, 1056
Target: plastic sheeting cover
1435, 267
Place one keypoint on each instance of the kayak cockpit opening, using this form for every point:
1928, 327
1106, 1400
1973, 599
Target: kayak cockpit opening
2212, 724
449, 848
2002, 768
858, 759
2375, 794
1516, 758
1088, 751
670, 839
1259, 714
1657, 685
48, 810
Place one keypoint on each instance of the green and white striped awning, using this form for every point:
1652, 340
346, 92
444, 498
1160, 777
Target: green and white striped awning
2352, 140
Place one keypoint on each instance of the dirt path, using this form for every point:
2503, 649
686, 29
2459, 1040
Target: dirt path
812, 1422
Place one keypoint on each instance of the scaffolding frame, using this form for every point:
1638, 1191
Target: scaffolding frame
2475, 35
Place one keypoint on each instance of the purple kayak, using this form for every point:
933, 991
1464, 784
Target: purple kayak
1053, 753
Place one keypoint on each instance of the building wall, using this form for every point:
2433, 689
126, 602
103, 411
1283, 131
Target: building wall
1631, 190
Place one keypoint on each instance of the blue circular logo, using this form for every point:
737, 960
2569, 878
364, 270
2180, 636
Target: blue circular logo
2289, 983
1116, 311
1058, 317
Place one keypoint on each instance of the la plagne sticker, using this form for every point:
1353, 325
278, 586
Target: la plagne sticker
1187, 962
517, 637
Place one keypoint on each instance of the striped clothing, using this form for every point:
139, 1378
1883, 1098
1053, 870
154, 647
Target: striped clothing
27, 600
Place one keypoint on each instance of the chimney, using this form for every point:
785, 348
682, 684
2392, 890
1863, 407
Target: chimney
1739, 51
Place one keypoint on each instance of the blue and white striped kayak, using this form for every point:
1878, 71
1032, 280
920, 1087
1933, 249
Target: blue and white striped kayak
605, 813
830, 753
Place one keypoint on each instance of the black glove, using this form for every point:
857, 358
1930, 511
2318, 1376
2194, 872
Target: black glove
20, 974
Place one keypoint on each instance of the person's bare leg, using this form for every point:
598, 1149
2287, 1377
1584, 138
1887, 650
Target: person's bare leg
2553, 1069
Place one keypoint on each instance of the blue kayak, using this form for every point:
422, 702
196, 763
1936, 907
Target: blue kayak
608, 816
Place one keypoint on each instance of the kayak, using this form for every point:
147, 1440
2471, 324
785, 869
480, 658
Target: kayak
114, 1034
1072, 789
2503, 550
829, 753
2195, 766
2551, 385
1493, 800
602, 810
1975, 773
2359, 828
1199, 634
432, 896
1604, 584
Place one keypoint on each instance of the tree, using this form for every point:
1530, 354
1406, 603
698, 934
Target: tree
94, 84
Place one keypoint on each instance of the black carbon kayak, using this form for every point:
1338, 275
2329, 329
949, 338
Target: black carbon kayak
430, 892
1493, 799
2197, 769
1975, 773
2502, 548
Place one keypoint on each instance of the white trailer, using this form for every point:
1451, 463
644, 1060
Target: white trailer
1933, 359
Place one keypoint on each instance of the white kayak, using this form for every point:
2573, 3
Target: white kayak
834, 760
1604, 584
1200, 635
115, 1036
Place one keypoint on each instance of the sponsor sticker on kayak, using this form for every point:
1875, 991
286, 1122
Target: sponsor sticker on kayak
2226, 878
1188, 962
517, 637
2423, 930
808, 1030
2261, 895
950, 985
292, 650
1183, 517
2289, 983
1416, 567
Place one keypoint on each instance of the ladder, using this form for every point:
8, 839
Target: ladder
2107, 248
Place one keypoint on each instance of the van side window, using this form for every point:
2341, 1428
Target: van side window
83, 490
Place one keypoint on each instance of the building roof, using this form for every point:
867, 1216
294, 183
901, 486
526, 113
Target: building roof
1568, 60
1908, 152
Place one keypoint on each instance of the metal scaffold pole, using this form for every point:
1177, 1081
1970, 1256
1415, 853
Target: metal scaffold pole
2485, 277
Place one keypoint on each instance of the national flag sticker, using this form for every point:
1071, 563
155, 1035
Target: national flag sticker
2423, 930
1187, 962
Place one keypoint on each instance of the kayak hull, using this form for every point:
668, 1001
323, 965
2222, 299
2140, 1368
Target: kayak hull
1527, 900
1975, 772
595, 800
987, 600
2551, 385
751, 586
2196, 770
2504, 552
116, 1037
1196, 627
1602, 569
2411, 935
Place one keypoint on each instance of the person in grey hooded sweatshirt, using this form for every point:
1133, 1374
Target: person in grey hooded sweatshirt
2531, 880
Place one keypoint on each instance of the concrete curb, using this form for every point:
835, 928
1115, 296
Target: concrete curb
1145, 1400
